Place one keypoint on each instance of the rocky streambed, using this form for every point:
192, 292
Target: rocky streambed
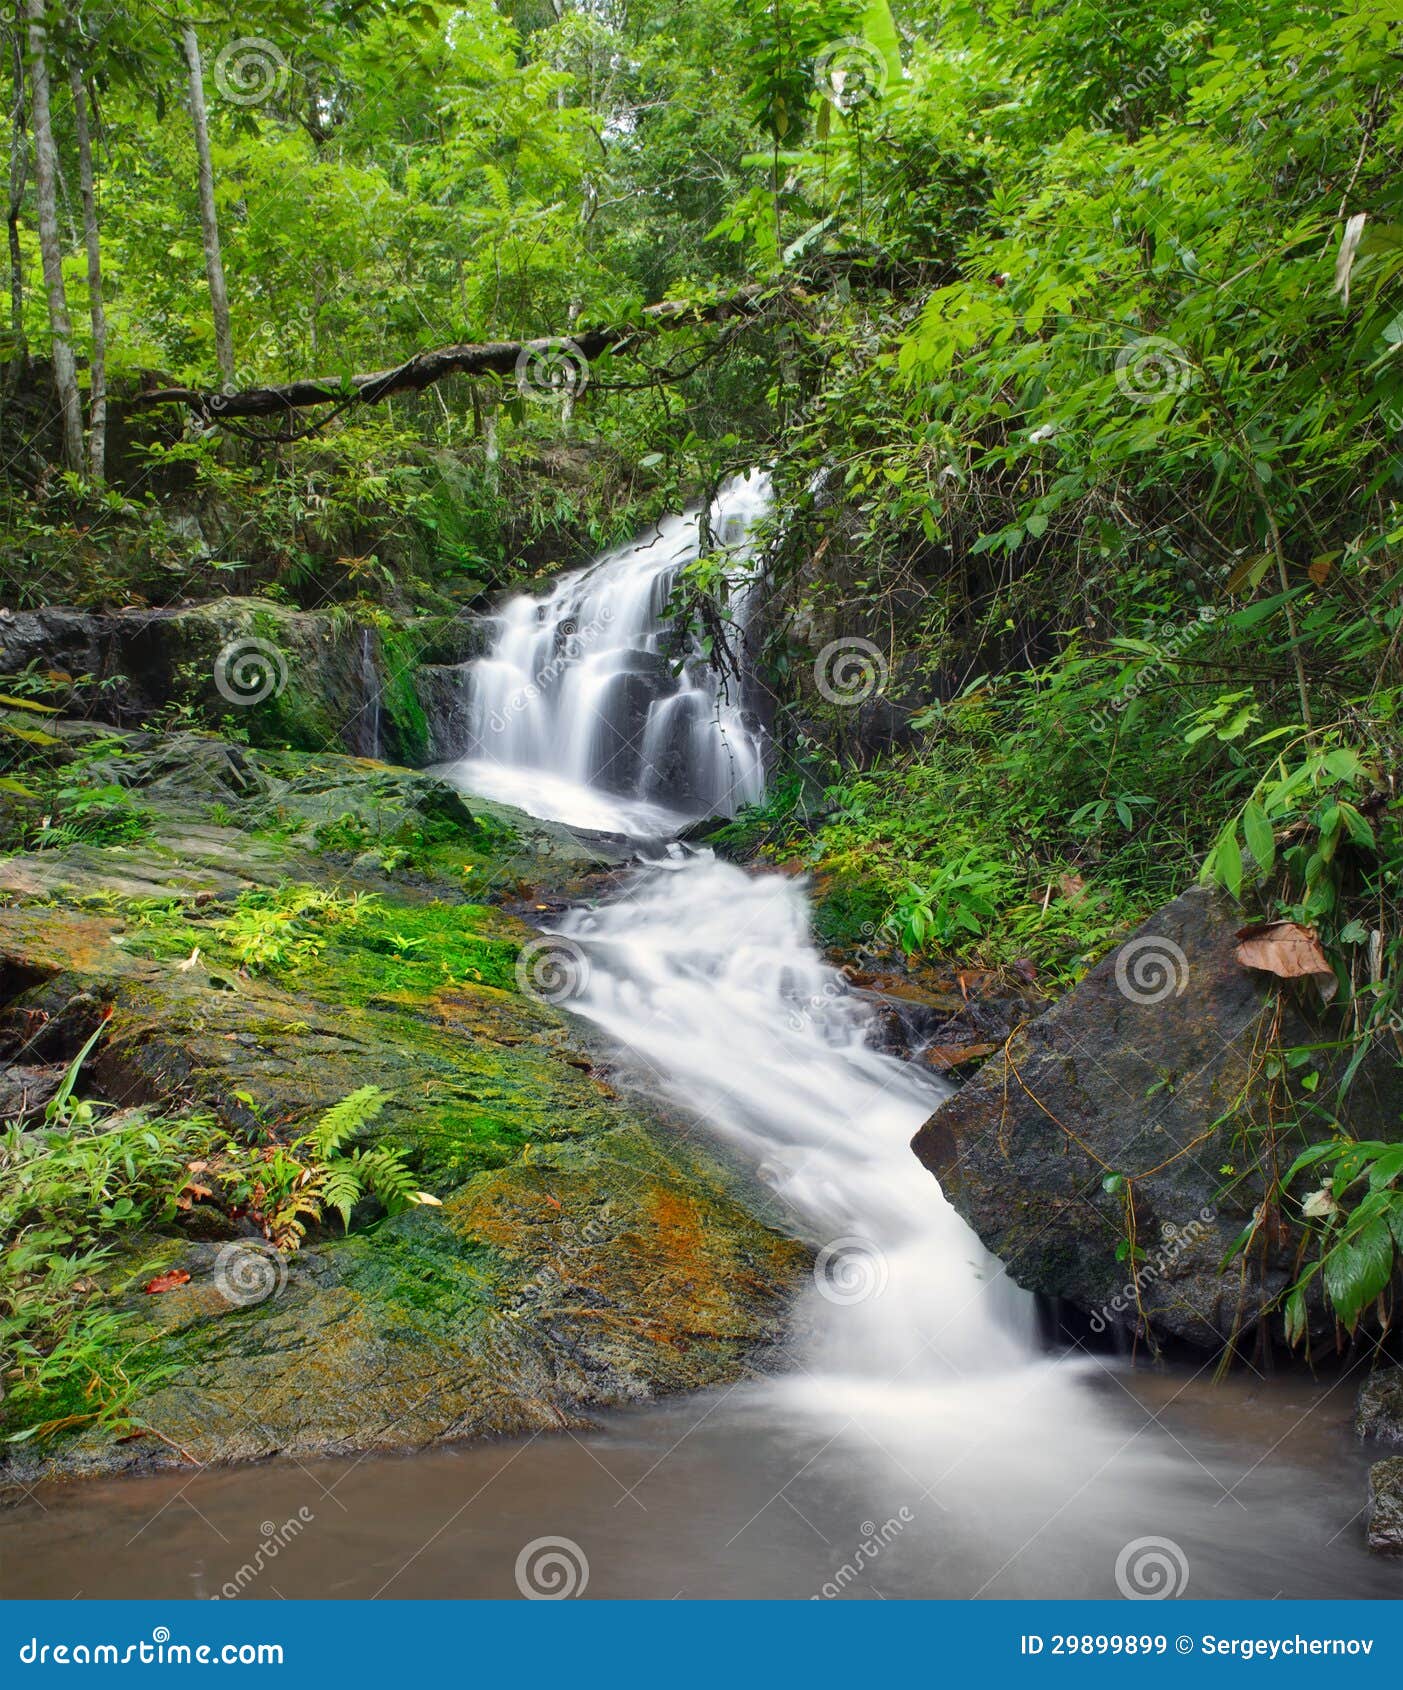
254, 933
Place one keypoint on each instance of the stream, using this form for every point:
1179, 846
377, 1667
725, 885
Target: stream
916, 1440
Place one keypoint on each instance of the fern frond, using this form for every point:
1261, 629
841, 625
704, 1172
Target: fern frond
341, 1189
383, 1172
345, 1119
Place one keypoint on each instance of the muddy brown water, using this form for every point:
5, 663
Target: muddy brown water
1256, 1485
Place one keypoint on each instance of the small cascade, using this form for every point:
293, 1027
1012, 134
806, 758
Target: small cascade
589, 709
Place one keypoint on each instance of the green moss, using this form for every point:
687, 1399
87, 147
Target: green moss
420, 1265
411, 951
400, 655
848, 912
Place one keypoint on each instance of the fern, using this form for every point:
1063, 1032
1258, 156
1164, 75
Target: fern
336, 1179
341, 1189
383, 1172
344, 1120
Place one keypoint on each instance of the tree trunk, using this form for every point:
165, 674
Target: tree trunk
97, 370
209, 219
19, 169
46, 193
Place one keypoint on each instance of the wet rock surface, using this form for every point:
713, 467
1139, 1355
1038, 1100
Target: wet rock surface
1383, 1520
314, 680
1379, 1411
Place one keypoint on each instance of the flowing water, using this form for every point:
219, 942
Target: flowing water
914, 1441
588, 710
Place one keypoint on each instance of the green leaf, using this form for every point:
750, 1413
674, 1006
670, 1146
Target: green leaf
1227, 859
1295, 1316
1257, 831
879, 28
27, 704
1358, 1269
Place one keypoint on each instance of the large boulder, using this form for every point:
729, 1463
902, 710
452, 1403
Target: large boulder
314, 680
1134, 1108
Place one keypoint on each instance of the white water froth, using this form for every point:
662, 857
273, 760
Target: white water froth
709, 976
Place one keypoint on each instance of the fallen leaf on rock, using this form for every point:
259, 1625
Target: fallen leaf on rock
1289, 951
166, 1281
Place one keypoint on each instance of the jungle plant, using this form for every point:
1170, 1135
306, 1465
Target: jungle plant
1356, 1218
287, 1188
71, 1190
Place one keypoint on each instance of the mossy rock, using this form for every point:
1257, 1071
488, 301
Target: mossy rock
583, 1254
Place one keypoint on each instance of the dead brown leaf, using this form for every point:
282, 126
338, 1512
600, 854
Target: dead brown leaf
945, 1057
166, 1281
1289, 951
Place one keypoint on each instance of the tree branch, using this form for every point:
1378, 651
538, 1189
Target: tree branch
495, 358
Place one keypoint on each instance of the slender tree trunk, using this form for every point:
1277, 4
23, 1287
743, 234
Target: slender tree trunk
209, 219
46, 193
97, 370
19, 169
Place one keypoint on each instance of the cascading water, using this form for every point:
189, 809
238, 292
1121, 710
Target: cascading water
587, 709
708, 974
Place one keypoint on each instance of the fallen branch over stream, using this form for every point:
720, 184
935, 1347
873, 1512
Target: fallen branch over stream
520, 358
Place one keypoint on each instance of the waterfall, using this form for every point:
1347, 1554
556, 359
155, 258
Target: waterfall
588, 709
707, 973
